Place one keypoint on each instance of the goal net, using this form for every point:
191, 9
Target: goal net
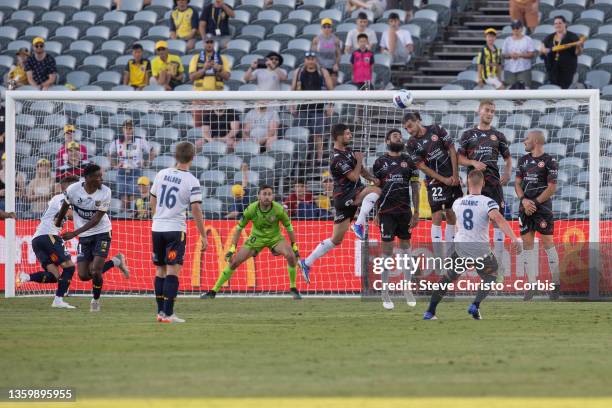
245, 139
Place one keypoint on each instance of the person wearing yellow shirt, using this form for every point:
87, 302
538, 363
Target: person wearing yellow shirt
17, 76
208, 69
184, 23
138, 69
166, 68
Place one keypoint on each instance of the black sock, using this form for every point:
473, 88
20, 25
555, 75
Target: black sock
171, 284
43, 277
159, 293
482, 294
64, 281
96, 286
108, 265
437, 296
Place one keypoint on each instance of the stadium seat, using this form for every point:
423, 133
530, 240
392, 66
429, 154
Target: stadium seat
334, 14
7, 34
597, 78
251, 6
152, 121
162, 162
268, 19
78, 78
88, 121
8, 6
80, 50
443, 8
144, 19
283, 33
229, 164
428, 21
570, 136
108, 79
246, 149
99, 6
49, 149
38, 6
94, 65
166, 136
36, 31
551, 121
158, 33
252, 33
241, 18
214, 150
21, 19
567, 14
238, 48
112, 49
132, 6
52, 20
97, 35
557, 150
596, 48
114, 20
200, 164
66, 35
101, 161
212, 208
518, 121
160, 7
310, 31
129, 34
314, 6
69, 7
267, 46
297, 48
299, 18
55, 122
283, 6
212, 178
83, 20
38, 136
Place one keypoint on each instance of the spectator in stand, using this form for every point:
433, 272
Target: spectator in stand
352, 40
17, 76
167, 69
62, 153
377, 7
300, 195
312, 77
526, 11
325, 200
362, 60
561, 65
219, 124
328, 48
406, 5
396, 41
137, 72
142, 205
41, 188
73, 164
214, 20
19, 186
241, 195
261, 125
270, 75
518, 50
209, 69
40, 67
129, 154
184, 23
489, 62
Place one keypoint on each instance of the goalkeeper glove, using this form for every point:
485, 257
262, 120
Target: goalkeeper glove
296, 251
230, 253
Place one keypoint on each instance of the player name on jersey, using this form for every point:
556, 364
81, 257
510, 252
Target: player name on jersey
175, 191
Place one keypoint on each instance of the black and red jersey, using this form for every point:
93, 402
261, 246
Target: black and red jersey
485, 146
432, 149
395, 175
536, 173
342, 163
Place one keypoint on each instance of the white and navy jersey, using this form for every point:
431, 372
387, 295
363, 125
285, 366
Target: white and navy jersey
175, 191
47, 222
85, 206
130, 155
472, 236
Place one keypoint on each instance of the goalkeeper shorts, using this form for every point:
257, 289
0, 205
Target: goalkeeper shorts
258, 243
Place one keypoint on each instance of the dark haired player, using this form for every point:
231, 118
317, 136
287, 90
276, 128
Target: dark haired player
52, 254
349, 192
480, 148
433, 152
90, 200
265, 214
174, 190
397, 175
535, 184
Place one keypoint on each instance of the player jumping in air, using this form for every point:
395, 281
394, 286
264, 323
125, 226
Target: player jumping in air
90, 200
265, 214
472, 242
536, 182
346, 168
479, 149
433, 152
174, 190
397, 175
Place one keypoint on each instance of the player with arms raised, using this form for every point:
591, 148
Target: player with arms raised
90, 201
535, 184
265, 214
480, 148
349, 192
174, 190
433, 152
397, 176
472, 242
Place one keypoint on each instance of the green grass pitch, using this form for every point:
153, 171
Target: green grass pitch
251, 348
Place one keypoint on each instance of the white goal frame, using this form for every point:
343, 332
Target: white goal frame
12, 97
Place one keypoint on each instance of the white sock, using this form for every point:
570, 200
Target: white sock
366, 206
449, 238
498, 245
531, 265
58, 299
115, 260
324, 247
553, 264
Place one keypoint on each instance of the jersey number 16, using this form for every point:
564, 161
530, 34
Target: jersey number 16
169, 196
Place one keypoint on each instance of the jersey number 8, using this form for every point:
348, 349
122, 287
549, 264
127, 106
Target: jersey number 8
468, 216
170, 196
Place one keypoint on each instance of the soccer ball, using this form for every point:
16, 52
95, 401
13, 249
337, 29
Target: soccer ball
402, 99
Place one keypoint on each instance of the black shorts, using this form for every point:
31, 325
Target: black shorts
168, 247
488, 266
442, 197
541, 221
495, 193
50, 249
395, 225
94, 245
345, 207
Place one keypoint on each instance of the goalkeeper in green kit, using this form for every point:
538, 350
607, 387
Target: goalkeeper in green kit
265, 214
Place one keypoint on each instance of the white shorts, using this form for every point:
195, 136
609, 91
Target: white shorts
494, 81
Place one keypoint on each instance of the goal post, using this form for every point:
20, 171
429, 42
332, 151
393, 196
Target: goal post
368, 113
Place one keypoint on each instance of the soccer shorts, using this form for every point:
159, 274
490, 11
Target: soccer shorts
168, 247
541, 221
495, 193
50, 249
257, 244
345, 207
94, 245
489, 265
442, 197
395, 225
